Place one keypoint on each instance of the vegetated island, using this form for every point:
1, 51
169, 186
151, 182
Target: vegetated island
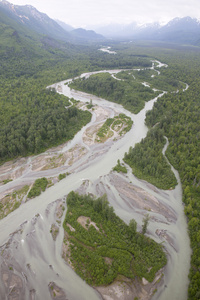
148, 162
108, 254
130, 94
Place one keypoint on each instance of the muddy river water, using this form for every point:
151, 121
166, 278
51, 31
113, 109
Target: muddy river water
30, 259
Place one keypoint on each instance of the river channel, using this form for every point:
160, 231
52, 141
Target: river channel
30, 259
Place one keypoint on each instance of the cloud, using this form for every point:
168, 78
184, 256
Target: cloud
85, 12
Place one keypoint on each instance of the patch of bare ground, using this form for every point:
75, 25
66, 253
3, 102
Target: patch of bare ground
139, 198
48, 161
101, 113
11, 277
70, 227
12, 200
14, 168
75, 154
83, 188
122, 288
52, 161
59, 210
66, 254
86, 222
54, 231
166, 237
53, 158
56, 292
13, 284
127, 289
89, 136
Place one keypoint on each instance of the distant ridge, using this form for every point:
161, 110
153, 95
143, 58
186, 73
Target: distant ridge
81, 33
65, 26
179, 30
31, 18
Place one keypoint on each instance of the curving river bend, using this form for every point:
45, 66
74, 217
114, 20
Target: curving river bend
30, 259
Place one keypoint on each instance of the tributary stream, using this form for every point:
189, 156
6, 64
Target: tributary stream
30, 259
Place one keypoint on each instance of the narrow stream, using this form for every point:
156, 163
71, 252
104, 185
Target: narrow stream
26, 243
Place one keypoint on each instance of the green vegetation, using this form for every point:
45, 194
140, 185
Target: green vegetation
145, 224
102, 246
177, 116
62, 176
104, 132
120, 168
120, 124
12, 201
131, 94
7, 181
39, 186
161, 82
90, 105
33, 118
148, 163
54, 231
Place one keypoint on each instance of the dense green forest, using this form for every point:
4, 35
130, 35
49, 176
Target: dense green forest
128, 93
177, 116
103, 247
148, 162
33, 118
131, 89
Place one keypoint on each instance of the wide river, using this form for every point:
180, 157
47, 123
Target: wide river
33, 255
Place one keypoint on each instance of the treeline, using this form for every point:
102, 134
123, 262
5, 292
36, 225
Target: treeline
155, 78
33, 119
177, 115
147, 161
120, 60
106, 248
131, 94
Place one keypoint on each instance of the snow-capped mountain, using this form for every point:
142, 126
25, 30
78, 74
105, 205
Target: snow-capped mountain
179, 30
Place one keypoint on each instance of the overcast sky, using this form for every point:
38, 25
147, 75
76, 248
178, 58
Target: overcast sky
82, 13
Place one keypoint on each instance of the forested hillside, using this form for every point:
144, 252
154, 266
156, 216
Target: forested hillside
33, 118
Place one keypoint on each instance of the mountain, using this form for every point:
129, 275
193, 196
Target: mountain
39, 22
179, 30
127, 30
65, 26
86, 35
115, 30
23, 51
33, 19
80, 34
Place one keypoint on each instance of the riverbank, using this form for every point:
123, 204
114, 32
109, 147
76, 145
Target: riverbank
37, 256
